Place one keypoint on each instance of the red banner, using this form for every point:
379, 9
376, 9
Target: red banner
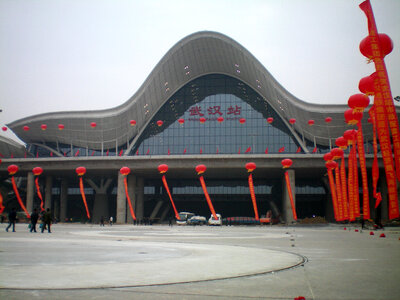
203, 185
355, 180
344, 189
83, 196
339, 195
39, 193
2, 207
333, 193
352, 214
129, 199
375, 167
289, 189
253, 196
387, 104
164, 180
363, 168
19, 197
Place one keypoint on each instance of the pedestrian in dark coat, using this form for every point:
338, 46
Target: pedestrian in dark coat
34, 219
47, 220
12, 218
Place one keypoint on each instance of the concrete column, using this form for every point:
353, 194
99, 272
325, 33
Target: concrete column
121, 200
132, 192
48, 188
286, 206
140, 198
30, 192
100, 207
63, 199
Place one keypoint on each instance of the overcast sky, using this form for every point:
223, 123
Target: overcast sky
58, 55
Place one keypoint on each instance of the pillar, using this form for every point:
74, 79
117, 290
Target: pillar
63, 199
30, 192
132, 192
286, 206
140, 198
48, 188
121, 200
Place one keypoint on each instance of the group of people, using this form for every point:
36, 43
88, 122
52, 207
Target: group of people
45, 216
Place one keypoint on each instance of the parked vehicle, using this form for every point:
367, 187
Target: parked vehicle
213, 221
197, 220
184, 217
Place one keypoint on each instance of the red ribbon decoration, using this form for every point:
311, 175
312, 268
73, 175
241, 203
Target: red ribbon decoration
355, 180
19, 197
253, 196
2, 207
352, 212
203, 185
333, 193
339, 194
361, 157
375, 167
164, 180
129, 199
39, 193
83, 196
343, 182
289, 189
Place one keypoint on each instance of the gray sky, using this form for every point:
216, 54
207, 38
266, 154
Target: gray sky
58, 55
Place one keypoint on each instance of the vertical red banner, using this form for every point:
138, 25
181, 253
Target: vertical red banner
253, 196
352, 215
129, 199
83, 196
164, 180
363, 168
39, 193
356, 191
339, 194
210, 205
375, 167
289, 189
333, 193
344, 189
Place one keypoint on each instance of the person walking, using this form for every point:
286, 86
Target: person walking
111, 220
12, 218
47, 220
102, 221
34, 219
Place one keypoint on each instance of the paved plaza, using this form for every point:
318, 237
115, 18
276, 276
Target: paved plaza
79, 261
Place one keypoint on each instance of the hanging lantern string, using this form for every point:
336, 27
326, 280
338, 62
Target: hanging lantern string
83, 196
164, 180
253, 196
39, 193
129, 199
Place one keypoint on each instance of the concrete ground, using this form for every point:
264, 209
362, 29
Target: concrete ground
147, 262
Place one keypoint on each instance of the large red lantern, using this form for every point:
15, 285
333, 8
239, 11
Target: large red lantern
270, 120
336, 153
292, 121
331, 165
163, 168
125, 171
37, 171
80, 171
43, 126
366, 84
352, 117
132, 122
328, 156
200, 169
220, 119
25, 128
349, 135
250, 166
4, 128
328, 119
341, 142
242, 120
311, 122
181, 121
385, 42
93, 124
358, 102
202, 120
286, 163
61, 126
12, 169
160, 123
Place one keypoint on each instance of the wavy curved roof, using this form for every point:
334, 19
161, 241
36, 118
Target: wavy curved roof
194, 56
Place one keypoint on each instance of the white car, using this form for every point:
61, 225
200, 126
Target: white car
213, 221
197, 220
184, 217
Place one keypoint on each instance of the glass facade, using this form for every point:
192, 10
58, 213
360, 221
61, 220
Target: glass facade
244, 128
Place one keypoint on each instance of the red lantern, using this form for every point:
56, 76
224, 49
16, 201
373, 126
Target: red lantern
242, 120
352, 117
385, 42
181, 121
25, 128
286, 163
337, 153
250, 167
80, 171
61, 126
311, 122
358, 102
341, 142
200, 169
125, 171
43, 126
12, 169
366, 84
328, 156
37, 171
292, 121
93, 124
202, 120
331, 164
270, 120
160, 123
220, 119
132, 122
328, 119
163, 168
4, 128
349, 135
